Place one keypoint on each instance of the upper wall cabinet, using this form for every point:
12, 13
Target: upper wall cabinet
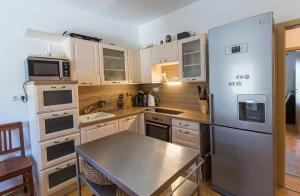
192, 55
165, 53
84, 57
113, 65
145, 63
133, 66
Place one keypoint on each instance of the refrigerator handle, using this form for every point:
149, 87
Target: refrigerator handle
211, 107
212, 149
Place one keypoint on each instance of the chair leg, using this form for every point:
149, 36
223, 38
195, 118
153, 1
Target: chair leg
24, 181
30, 182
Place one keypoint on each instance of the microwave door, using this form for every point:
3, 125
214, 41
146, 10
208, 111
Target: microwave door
44, 70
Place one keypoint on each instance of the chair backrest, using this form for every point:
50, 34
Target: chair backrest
6, 140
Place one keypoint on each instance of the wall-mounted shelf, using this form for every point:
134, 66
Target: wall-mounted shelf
37, 34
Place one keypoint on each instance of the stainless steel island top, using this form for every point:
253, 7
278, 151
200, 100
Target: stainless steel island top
138, 164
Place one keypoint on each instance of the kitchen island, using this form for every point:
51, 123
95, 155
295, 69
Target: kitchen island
139, 165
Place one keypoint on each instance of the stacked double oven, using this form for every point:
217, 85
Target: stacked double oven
54, 133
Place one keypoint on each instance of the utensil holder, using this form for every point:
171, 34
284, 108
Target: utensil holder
203, 106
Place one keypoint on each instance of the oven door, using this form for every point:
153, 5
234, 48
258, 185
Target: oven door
44, 69
158, 131
56, 97
56, 124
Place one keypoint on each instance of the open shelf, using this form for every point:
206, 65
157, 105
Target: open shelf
42, 35
107, 190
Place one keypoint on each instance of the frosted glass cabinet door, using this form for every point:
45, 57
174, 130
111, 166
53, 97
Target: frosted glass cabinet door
192, 52
113, 65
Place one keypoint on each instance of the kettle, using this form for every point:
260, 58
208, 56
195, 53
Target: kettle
151, 100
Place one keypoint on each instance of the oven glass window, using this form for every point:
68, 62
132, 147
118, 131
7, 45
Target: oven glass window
158, 132
62, 176
60, 150
44, 68
57, 97
59, 124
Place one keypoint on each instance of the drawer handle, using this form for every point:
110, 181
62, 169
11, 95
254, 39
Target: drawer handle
65, 113
60, 168
58, 142
63, 87
53, 86
186, 132
186, 125
101, 125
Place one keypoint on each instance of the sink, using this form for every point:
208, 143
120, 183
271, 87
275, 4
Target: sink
94, 117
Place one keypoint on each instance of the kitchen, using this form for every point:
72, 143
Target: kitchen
93, 90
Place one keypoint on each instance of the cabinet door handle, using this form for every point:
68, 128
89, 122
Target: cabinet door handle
60, 168
186, 125
65, 140
53, 86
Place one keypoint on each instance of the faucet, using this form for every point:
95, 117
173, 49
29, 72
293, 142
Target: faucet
88, 109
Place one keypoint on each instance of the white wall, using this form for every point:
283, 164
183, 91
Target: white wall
17, 15
206, 14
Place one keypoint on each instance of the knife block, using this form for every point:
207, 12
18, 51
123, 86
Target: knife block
203, 106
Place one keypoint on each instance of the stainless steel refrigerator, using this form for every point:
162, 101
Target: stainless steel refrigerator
241, 87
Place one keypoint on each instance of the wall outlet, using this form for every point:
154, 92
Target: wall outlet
17, 98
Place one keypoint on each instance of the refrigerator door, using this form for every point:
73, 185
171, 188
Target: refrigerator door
241, 65
242, 162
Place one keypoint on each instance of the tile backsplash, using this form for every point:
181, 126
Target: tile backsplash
182, 96
89, 95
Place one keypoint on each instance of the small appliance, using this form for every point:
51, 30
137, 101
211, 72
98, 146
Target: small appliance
47, 68
139, 99
151, 100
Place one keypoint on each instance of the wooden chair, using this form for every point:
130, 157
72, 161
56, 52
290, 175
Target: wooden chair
17, 166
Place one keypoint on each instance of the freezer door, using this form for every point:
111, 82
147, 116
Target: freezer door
242, 162
241, 63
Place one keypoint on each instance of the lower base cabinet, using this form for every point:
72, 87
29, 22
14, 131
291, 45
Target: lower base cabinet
129, 124
57, 178
98, 131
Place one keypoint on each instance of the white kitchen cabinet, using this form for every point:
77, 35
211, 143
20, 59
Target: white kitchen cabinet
113, 65
145, 62
164, 53
98, 131
133, 66
84, 57
186, 133
192, 58
129, 124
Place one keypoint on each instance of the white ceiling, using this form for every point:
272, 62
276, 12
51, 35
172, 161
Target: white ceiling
130, 11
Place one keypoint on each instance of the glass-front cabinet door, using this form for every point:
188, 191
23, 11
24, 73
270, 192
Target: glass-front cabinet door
113, 65
192, 55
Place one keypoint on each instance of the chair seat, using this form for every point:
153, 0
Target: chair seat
13, 166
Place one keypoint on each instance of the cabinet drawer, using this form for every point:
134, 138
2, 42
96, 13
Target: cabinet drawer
186, 137
57, 151
98, 131
186, 124
58, 177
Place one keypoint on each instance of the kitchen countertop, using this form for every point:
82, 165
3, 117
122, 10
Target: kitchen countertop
185, 115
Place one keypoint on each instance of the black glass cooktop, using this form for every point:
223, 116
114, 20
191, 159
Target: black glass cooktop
164, 111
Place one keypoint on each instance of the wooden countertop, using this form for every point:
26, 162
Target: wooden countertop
185, 115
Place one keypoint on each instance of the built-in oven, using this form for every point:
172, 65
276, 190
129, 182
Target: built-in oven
158, 126
56, 97
56, 124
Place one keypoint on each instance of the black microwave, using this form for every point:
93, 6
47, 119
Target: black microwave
44, 68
